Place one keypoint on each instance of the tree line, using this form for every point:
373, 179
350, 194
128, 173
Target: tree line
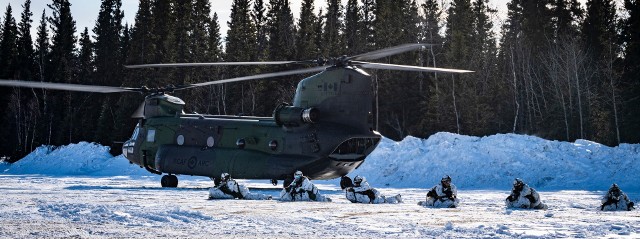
552, 68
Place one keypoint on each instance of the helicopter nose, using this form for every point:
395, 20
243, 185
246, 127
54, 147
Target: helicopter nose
127, 148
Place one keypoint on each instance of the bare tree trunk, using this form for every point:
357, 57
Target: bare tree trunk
253, 98
393, 121
223, 98
435, 81
515, 92
577, 79
613, 96
455, 108
377, 102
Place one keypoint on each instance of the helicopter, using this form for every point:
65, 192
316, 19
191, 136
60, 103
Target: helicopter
326, 132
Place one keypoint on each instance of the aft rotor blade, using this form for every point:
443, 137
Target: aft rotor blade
248, 63
65, 86
388, 52
382, 66
260, 76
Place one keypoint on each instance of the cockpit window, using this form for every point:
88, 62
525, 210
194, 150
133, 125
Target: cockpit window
151, 135
135, 133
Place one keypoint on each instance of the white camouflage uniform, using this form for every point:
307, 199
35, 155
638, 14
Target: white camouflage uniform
441, 200
230, 189
366, 194
616, 200
302, 190
527, 198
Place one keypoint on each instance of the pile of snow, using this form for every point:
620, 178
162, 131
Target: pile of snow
75, 159
493, 162
490, 162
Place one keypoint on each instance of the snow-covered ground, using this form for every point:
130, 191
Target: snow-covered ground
81, 191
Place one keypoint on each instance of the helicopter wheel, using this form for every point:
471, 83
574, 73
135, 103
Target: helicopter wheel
274, 181
169, 181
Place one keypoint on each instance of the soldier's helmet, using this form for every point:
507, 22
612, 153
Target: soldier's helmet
358, 180
446, 178
297, 175
518, 182
614, 187
225, 176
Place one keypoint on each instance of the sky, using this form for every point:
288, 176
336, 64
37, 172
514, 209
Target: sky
85, 12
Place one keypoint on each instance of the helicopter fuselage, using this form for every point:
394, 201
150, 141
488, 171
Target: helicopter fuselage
326, 133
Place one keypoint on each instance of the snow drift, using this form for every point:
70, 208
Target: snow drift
490, 162
493, 162
74, 159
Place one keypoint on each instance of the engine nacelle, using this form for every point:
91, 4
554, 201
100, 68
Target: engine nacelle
292, 116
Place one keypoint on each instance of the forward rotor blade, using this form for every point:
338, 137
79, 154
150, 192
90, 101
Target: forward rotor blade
65, 86
388, 52
248, 63
260, 76
382, 66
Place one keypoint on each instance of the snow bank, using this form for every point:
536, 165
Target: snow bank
75, 159
490, 162
493, 162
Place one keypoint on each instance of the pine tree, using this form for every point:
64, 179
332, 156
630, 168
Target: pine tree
107, 46
319, 26
241, 46
24, 107
258, 13
396, 22
42, 49
433, 100
458, 51
43, 71
108, 68
281, 30
127, 103
142, 44
368, 18
8, 49
164, 30
599, 27
8, 66
25, 44
282, 34
214, 102
201, 22
125, 44
483, 90
332, 37
215, 40
86, 64
86, 109
354, 40
306, 47
566, 15
631, 76
59, 105
197, 50
599, 38
182, 45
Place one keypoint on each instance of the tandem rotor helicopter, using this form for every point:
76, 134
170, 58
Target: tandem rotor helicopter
326, 132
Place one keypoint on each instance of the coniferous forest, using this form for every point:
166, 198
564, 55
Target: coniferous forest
551, 68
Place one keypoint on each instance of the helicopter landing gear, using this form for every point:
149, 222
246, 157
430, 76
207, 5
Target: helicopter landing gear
274, 182
169, 181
